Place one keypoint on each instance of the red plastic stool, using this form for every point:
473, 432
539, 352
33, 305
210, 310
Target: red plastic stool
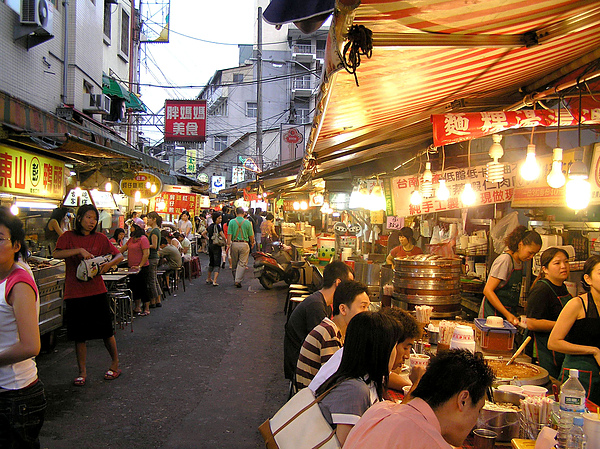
195, 269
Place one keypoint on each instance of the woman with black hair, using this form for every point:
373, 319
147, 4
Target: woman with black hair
22, 397
577, 332
407, 246
360, 380
138, 252
547, 297
153, 234
53, 229
503, 287
118, 237
88, 314
214, 251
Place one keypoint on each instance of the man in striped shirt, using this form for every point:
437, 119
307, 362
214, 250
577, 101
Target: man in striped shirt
349, 299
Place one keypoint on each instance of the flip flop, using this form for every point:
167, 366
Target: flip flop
143, 313
215, 284
112, 375
79, 381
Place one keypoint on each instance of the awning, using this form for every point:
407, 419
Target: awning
440, 56
112, 87
134, 103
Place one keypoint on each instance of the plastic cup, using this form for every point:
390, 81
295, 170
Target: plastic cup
534, 390
484, 439
420, 360
406, 389
591, 428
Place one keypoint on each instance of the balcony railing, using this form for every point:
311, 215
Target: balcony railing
303, 48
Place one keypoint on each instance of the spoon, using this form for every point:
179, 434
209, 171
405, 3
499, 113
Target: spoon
519, 351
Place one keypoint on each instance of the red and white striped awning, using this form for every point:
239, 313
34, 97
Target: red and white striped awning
437, 56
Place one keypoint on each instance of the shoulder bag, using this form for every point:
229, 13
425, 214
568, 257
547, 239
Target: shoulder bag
299, 424
217, 238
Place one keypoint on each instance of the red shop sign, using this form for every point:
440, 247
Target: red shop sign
185, 120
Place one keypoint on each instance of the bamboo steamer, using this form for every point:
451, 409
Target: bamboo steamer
428, 279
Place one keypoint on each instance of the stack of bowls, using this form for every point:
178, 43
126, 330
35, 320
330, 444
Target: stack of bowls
463, 338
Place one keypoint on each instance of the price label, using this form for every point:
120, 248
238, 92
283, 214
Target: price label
394, 222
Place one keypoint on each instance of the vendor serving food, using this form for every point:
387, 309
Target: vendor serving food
546, 299
407, 246
503, 287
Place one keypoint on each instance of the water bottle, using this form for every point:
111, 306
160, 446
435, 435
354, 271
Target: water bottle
572, 404
576, 438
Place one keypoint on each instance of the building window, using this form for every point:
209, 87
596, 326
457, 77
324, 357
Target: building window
302, 47
219, 110
302, 112
321, 49
238, 77
302, 82
124, 33
251, 109
107, 19
220, 143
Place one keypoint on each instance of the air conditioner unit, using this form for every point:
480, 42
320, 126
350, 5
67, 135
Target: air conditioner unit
37, 13
97, 104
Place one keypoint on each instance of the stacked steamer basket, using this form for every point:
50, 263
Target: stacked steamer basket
428, 279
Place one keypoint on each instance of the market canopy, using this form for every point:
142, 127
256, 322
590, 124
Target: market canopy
433, 57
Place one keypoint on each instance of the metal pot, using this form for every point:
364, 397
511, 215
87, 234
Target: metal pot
504, 423
367, 273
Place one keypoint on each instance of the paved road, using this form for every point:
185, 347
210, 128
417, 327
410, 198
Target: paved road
204, 371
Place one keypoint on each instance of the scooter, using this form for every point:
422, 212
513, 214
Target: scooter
271, 268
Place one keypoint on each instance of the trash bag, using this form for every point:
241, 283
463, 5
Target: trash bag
504, 227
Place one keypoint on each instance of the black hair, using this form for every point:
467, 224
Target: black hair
80, 213
154, 215
163, 241
451, 372
239, 210
270, 216
258, 210
176, 235
335, 270
410, 327
588, 267
370, 340
215, 215
136, 231
521, 234
17, 233
185, 212
58, 214
546, 258
346, 293
117, 232
408, 233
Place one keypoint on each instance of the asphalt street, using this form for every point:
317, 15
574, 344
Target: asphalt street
203, 371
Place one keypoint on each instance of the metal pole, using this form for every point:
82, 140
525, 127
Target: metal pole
259, 159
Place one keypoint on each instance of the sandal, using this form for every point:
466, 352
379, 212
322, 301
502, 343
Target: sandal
208, 281
215, 284
79, 381
112, 374
143, 313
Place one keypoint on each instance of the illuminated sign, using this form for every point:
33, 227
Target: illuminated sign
142, 182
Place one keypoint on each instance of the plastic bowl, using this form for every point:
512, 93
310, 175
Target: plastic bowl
534, 390
463, 333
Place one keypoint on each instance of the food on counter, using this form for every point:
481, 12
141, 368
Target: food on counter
515, 369
501, 407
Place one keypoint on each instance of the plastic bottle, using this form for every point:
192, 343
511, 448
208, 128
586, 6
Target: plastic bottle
576, 438
572, 404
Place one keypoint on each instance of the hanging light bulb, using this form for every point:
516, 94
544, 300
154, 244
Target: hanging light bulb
108, 185
148, 184
296, 205
14, 209
363, 196
495, 169
415, 198
377, 199
137, 195
303, 205
468, 195
427, 184
530, 170
354, 198
153, 188
442, 192
556, 178
579, 190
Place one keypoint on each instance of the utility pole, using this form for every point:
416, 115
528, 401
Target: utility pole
259, 158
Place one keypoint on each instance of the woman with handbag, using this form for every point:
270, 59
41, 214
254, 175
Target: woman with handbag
359, 382
216, 241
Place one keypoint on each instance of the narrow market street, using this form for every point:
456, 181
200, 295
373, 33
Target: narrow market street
203, 371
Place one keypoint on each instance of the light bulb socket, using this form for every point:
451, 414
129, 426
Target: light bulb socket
578, 170
496, 150
557, 154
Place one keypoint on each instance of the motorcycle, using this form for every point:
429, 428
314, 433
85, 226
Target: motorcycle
271, 268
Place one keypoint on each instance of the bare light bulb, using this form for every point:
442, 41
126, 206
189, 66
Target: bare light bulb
303, 205
14, 209
468, 195
415, 198
442, 192
377, 200
153, 188
137, 195
108, 186
427, 184
354, 199
530, 170
556, 178
578, 193
296, 205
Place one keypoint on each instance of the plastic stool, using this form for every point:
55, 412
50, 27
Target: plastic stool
294, 293
292, 305
195, 267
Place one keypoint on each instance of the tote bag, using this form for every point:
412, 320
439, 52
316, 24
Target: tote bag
217, 238
299, 424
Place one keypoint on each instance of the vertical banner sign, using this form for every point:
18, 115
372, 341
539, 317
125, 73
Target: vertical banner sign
185, 120
387, 190
190, 161
292, 143
486, 192
238, 174
29, 174
217, 184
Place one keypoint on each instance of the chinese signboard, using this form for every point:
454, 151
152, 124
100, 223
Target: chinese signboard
176, 203
142, 182
190, 161
594, 178
185, 120
29, 174
203, 177
292, 143
460, 127
238, 174
487, 192
217, 184
538, 192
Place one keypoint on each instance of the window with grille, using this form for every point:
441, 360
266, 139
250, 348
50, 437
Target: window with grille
107, 19
124, 33
302, 82
251, 109
219, 110
238, 77
302, 112
220, 143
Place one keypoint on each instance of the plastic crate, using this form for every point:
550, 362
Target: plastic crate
494, 338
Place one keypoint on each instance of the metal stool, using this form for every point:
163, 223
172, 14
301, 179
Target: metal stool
292, 305
178, 275
294, 292
299, 265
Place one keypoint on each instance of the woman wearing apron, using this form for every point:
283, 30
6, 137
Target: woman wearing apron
503, 287
546, 299
577, 331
